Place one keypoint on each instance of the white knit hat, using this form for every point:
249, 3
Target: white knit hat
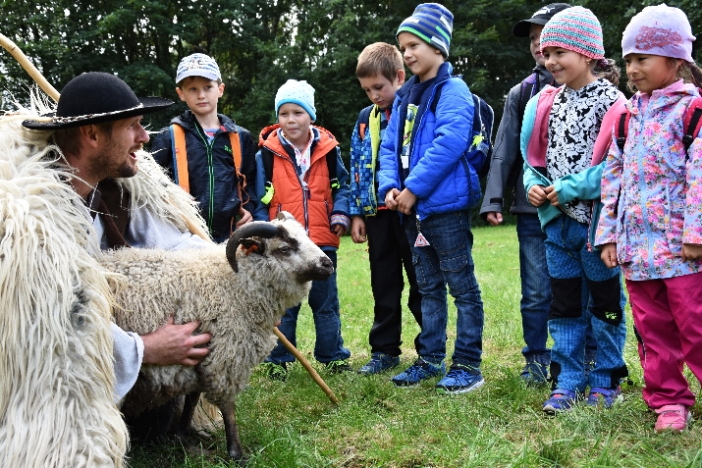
296, 92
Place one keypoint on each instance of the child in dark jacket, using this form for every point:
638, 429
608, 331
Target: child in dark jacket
426, 174
210, 172
381, 73
293, 167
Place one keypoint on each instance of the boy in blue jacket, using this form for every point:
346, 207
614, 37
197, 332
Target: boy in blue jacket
426, 174
381, 73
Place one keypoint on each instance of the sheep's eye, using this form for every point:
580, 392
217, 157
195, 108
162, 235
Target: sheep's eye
284, 249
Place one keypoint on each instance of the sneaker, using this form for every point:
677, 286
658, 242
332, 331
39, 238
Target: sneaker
420, 370
559, 401
460, 379
675, 418
378, 363
534, 374
275, 370
337, 367
605, 396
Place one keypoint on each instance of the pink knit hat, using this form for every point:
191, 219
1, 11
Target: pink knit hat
659, 30
576, 29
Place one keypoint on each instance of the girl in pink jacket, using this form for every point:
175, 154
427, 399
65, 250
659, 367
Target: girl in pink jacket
651, 220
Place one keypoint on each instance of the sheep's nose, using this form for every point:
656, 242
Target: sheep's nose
327, 263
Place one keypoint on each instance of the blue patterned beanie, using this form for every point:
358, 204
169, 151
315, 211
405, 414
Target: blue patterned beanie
576, 29
432, 23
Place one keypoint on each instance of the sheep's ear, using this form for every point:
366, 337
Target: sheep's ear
284, 216
253, 245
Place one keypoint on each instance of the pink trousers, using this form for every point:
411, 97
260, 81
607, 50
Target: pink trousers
668, 319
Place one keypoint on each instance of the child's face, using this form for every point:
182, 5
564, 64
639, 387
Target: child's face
568, 67
380, 90
295, 122
535, 43
200, 94
422, 59
651, 72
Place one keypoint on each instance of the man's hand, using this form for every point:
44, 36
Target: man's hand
390, 201
358, 229
405, 201
175, 344
608, 254
244, 218
537, 195
494, 218
691, 252
552, 195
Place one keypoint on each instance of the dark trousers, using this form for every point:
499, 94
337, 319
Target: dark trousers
389, 252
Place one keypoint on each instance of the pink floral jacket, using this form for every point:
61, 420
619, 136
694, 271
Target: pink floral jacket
652, 192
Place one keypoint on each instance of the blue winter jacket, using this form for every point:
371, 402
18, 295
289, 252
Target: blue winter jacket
441, 174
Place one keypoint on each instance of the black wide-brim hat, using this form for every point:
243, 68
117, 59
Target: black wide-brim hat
96, 97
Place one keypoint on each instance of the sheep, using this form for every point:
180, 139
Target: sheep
56, 390
237, 291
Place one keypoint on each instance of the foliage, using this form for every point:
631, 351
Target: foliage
260, 44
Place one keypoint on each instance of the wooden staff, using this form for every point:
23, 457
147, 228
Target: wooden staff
17, 53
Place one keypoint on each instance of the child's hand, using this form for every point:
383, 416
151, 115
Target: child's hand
358, 229
405, 201
691, 252
609, 255
494, 218
536, 195
390, 201
552, 195
339, 229
244, 217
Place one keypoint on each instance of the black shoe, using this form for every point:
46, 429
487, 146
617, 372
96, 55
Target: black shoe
337, 367
275, 371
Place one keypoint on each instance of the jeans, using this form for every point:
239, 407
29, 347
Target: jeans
447, 260
536, 286
389, 253
572, 269
324, 302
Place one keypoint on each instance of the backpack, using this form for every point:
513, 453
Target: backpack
481, 134
692, 122
180, 161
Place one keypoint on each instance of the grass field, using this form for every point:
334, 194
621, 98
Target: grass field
293, 423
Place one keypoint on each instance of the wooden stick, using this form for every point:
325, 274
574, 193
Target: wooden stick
17, 53
306, 364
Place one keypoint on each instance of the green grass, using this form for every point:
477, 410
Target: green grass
293, 424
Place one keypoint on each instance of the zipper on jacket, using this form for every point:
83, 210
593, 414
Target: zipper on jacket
210, 173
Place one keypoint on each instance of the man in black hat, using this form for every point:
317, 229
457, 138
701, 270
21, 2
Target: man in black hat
506, 171
97, 126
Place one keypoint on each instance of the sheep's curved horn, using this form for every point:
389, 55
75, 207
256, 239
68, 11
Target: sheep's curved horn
257, 228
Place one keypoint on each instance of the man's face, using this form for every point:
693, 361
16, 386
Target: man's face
118, 154
535, 43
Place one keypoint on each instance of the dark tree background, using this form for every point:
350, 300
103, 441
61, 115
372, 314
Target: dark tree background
259, 44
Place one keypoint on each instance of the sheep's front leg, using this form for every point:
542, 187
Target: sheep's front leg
229, 416
186, 416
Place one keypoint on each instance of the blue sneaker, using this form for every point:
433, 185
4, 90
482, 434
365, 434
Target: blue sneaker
379, 362
460, 379
534, 374
559, 401
420, 370
605, 396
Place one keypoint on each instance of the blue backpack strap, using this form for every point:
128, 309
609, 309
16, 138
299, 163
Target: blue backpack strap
528, 89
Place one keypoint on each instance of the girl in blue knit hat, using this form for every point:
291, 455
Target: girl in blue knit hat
426, 175
651, 222
562, 175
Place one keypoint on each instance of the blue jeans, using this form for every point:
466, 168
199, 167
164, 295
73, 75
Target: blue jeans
324, 302
570, 264
447, 260
536, 286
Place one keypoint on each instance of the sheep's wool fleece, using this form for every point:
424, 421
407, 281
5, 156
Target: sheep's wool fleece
56, 391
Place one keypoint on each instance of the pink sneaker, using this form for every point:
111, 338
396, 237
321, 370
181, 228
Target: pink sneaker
673, 418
